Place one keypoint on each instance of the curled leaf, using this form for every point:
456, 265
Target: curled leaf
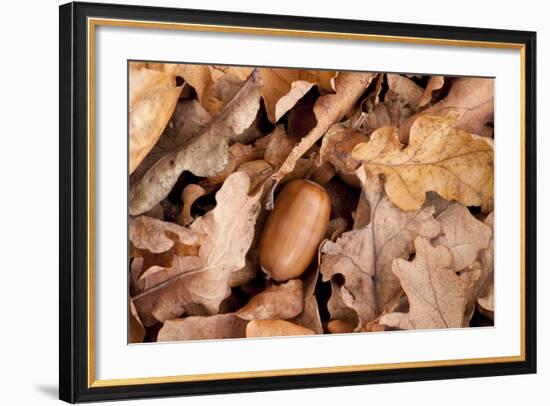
275, 328
203, 328
282, 88
153, 96
275, 302
189, 195
136, 332
328, 109
455, 164
437, 295
309, 317
363, 256
204, 155
233, 220
434, 83
463, 234
471, 100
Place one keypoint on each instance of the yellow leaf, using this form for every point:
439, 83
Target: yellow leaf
455, 164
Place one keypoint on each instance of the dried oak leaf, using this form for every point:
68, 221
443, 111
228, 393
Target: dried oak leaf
189, 120
437, 295
337, 144
189, 195
471, 99
203, 155
226, 234
328, 109
136, 331
284, 87
203, 328
275, 328
364, 256
153, 96
238, 154
485, 286
463, 234
455, 164
405, 88
310, 317
157, 241
275, 302
214, 85
434, 83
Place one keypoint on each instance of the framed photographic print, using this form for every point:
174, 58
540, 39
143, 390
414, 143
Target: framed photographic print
255, 202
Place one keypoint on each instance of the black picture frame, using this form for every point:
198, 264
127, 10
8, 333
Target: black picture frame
74, 385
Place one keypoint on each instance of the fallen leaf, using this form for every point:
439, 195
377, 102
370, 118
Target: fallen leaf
487, 302
153, 96
232, 220
405, 88
328, 109
363, 256
279, 147
485, 286
275, 302
336, 147
310, 317
437, 295
215, 85
275, 328
339, 327
470, 99
159, 241
455, 164
136, 331
189, 120
434, 83
189, 195
203, 328
282, 88
204, 155
238, 154
463, 234
336, 228
258, 171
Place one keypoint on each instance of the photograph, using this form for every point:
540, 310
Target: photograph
290, 201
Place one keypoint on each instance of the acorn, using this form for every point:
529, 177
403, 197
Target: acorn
294, 229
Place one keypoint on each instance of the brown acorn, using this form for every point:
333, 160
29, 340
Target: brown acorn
294, 229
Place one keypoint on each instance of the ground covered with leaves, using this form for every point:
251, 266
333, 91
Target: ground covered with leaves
407, 161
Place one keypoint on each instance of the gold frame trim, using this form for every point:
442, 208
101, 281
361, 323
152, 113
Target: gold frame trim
93, 22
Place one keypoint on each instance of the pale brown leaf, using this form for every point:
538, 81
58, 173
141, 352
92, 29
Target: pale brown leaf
363, 256
215, 85
275, 328
310, 317
405, 88
136, 331
275, 302
203, 328
159, 241
284, 87
470, 99
336, 147
463, 234
226, 234
189, 120
153, 96
328, 109
204, 155
188, 196
437, 295
434, 83
455, 164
